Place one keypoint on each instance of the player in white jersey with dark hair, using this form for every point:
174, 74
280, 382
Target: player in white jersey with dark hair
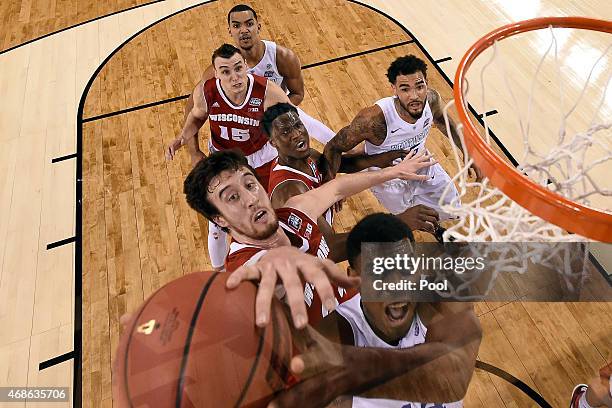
393, 352
402, 122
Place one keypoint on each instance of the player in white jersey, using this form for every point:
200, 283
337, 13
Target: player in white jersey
273, 61
402, 121
397, 352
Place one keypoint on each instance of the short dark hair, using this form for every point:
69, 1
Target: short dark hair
377, 227
274, 112
238, 8
196, 184
225, 51
406, 65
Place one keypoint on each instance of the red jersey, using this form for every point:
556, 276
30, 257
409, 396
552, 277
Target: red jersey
238, 127
306, 236
279, 174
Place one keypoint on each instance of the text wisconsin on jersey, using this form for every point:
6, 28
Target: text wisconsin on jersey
232, 117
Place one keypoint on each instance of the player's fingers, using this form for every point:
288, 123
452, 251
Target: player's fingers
315, 274
430, 212
295, 293
428, 219
423, 226
250, 272
339, 276
263, 300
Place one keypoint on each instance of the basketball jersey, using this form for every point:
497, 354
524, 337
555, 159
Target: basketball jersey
401, 135
267, 68
364, 336
299, 228
279, 174
238, 127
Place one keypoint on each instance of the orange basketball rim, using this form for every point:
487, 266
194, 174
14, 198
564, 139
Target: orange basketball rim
574, 217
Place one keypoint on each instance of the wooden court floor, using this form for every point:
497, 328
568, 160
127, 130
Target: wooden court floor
138, 233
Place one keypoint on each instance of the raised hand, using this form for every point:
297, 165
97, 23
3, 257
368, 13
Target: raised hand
292, 267
413, 162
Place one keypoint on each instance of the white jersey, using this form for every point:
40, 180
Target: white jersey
401, 135
267, 68
364, 336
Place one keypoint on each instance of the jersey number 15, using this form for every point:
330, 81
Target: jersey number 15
238, 135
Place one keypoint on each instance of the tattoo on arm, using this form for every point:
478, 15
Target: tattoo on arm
368, 125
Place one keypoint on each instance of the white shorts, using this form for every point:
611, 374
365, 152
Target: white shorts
399, 195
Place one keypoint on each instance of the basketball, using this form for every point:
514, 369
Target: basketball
193, 343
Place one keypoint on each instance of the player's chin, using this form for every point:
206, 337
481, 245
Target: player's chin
266, 230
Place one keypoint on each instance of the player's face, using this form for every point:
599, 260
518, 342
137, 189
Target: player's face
244, 29
232, 72
412, 93
290, 137
389, 320
243, 204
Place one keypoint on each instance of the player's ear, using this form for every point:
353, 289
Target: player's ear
220, 221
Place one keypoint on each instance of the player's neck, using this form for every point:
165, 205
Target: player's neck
277, 239
254, 54
237, 98
298, 164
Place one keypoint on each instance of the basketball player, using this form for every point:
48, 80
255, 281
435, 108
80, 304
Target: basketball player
233, 102
223, 187
298, 168
430, 347
270, 60
401, 121
598, 394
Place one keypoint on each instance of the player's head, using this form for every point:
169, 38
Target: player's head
408, 77
287, 133
231, 68
389, 320
224, 188
243, 26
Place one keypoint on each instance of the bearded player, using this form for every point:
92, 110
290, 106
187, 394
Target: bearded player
233, 103
402, 121
224, 189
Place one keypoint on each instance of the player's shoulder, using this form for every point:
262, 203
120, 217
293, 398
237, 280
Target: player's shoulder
433, 96
285, 55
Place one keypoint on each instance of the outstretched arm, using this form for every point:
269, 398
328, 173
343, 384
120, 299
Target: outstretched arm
289, 66
336, 241
315, 202
438, 370
369, 124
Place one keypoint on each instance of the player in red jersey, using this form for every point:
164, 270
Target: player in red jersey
298, 168
224, 188
233, 103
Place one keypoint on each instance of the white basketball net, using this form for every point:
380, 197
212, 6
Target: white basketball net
485, 214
